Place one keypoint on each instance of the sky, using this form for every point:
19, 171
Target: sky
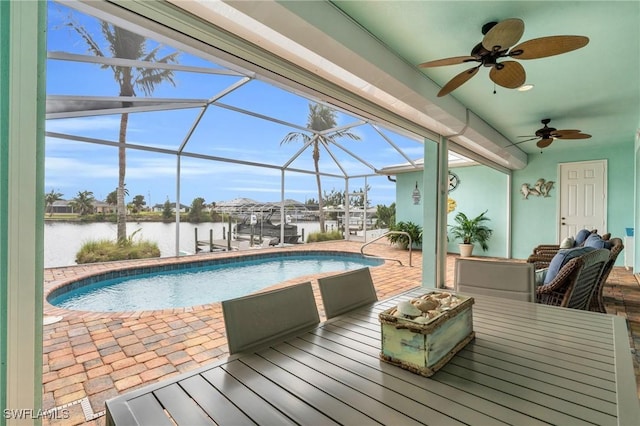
72, 166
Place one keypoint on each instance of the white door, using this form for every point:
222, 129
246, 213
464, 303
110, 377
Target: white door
583, 197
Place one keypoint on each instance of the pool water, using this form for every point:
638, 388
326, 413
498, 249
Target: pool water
199, 285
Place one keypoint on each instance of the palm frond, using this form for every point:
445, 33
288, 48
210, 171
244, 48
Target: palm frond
342, 134
150, 77
295, 136
86, 36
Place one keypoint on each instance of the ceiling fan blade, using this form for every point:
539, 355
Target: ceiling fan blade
526, 140
448, 61
510, 75
564, 133
518, 143
543, 143
548, 46
573, 136
503, 35
458, 81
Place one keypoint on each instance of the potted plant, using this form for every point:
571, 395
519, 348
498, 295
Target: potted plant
415, 231
471, 231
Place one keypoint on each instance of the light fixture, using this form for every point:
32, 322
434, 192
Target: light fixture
416, 194
525, 87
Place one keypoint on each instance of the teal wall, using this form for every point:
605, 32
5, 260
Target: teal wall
535, 220
406, 211
482, 188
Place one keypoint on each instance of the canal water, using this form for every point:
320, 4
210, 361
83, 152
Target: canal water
62, 240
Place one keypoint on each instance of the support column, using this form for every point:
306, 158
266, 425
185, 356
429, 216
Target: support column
430, 202
22, 107
442, 212
178, 171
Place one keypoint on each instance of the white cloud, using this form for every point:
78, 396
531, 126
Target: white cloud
72, 125
58, 167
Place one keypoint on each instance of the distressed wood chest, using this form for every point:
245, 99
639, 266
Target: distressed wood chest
425, 347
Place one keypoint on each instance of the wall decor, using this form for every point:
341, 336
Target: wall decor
454, 181
416, 195
540, 189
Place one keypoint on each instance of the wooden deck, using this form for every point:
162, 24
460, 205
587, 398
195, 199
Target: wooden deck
529, 364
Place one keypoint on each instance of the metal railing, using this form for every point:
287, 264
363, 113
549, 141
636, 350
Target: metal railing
388, 258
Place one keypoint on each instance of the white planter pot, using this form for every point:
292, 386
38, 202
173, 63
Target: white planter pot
465, 249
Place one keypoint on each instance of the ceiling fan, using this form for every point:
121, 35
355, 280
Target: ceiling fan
548, 134
498, 38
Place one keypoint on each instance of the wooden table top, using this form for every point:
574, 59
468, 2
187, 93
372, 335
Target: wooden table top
529, 364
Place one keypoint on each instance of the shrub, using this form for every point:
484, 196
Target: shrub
315, 237
108, 250
415, 231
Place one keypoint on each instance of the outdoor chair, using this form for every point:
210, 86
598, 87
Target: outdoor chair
257, 319
346, 291
597, 299
506, 279
543, 258
576, 281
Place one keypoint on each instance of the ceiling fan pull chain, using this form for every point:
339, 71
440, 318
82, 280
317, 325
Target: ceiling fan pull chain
494, 88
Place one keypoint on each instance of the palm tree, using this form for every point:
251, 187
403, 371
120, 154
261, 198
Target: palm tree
112, 198
127, 45
50, 198
138, 202
320, 118
83, 202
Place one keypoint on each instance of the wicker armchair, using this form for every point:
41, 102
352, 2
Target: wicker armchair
597, 303
543, 254
575, 283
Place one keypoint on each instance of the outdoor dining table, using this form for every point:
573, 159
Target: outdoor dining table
528, 364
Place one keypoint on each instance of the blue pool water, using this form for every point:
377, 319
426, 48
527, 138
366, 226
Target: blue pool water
197, 284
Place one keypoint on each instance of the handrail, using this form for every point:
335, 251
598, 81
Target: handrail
388, 258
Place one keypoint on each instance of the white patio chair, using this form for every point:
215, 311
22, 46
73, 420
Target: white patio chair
258, 319
346, 291
509, 280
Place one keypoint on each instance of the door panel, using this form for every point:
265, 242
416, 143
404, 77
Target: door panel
582, 197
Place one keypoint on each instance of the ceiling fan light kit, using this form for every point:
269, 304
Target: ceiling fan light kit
497, 44
525, 87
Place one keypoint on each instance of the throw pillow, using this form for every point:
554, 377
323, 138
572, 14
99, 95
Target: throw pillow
596, 241
568, 242
540, 275
581, 236
561, 258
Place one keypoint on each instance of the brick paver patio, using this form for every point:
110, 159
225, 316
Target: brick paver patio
90, 357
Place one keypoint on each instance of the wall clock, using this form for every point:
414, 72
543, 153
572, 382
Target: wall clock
454, 181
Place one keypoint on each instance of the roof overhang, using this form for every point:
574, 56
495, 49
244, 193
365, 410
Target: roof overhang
321, 39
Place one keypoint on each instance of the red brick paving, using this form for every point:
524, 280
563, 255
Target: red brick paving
100, 355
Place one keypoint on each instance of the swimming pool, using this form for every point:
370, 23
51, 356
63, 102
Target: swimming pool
197, 283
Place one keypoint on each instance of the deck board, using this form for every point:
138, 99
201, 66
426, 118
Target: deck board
214, 403
277, 394
529, 364
328, 383
245, 399
336, 409
181, 407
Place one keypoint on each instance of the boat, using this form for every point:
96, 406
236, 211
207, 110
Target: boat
263, 229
